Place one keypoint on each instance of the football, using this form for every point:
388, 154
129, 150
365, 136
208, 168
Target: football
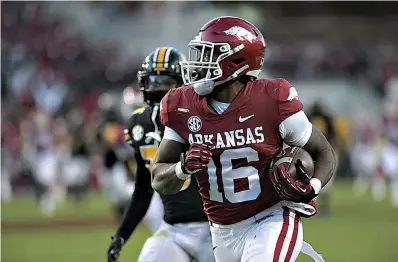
288, 156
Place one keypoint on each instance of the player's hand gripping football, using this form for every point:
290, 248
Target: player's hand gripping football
195, 159
299, 190
115, 248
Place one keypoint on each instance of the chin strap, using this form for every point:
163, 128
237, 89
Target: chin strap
233, 76
207, 86
204, 88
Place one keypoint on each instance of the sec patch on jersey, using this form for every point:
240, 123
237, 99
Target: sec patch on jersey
288, 156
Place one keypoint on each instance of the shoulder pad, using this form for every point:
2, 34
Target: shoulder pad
285, 96
135, 127
172, 100
280, 90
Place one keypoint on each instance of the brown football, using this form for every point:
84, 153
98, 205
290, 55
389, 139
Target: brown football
288, 156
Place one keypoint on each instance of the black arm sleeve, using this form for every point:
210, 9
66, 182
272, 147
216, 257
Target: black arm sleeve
139, 203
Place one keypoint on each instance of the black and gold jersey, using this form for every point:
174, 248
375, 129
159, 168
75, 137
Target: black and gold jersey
144, 132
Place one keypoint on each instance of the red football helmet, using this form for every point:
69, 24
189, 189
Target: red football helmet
225, 49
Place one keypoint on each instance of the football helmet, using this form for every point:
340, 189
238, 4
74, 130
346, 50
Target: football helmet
159, 72
225, 49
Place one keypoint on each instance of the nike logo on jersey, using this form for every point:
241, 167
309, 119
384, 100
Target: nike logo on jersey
243, 119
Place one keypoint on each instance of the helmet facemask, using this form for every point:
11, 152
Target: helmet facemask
203, 69
155, 87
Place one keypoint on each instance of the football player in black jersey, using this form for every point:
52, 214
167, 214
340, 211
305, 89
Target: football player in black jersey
117, 176
184, 234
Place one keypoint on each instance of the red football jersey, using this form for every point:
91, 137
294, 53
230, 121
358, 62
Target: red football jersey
244, 138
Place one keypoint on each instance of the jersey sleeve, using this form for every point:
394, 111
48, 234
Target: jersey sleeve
169, 106
165, 108
170, 134
135, 127
296, 129
168, 116
128, 135
287, 99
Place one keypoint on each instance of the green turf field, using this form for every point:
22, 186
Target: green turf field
359, 230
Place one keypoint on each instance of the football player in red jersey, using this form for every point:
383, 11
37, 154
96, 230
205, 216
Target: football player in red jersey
224, 127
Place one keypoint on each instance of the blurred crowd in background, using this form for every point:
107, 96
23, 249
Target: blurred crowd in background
68, 67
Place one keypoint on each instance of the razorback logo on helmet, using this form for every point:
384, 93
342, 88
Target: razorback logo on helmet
241, 33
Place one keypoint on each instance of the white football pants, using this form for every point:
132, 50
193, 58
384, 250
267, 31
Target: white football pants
179, 243
275, 237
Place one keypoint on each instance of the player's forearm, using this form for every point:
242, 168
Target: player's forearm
325, 165
324, 156
164, 179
